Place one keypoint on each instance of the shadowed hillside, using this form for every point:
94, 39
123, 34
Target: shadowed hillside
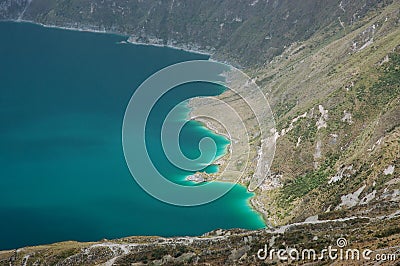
244, 32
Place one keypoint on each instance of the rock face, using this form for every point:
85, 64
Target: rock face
13, 9
245, 32
330, 70
347, 137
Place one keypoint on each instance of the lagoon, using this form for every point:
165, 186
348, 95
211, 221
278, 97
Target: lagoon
63, 174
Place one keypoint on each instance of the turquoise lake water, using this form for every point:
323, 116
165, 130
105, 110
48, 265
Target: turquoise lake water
63, 174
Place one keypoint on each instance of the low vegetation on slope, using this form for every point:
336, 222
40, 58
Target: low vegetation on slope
341, 133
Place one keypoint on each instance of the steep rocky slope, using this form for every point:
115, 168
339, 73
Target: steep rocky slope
244, 32
337, 110
331, 72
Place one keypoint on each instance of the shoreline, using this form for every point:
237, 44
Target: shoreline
131, 39
219, 161
209, 126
